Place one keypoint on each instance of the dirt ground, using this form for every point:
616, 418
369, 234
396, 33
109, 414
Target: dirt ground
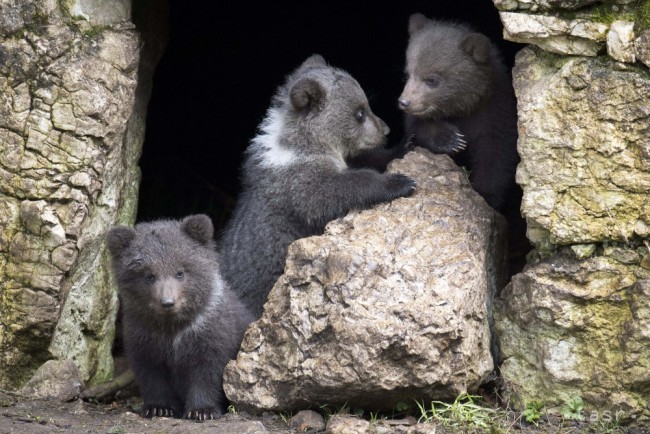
20, 415
42, 416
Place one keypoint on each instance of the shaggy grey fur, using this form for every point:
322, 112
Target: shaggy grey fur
181, 322
295, 176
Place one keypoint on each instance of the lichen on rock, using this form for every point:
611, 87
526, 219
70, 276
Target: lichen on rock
585, 169
580, 27
568, 327
66, 174
575, 323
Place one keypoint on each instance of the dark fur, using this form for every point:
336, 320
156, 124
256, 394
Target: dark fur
295, 176
181, 322
459, 101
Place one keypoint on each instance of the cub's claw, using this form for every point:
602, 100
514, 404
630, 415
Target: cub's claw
409, 145
203, 414
401, 185
455, 143
154, 411
445, 139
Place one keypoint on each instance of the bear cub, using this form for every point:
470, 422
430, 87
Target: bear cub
182, 324
458, 100
296, 178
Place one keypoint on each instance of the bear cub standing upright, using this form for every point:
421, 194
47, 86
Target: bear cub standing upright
295, 176
458, 100
182, 324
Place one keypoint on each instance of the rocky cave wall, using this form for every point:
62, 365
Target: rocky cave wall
576, 322
73, 95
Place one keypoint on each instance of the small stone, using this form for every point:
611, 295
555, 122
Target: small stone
583, 251
347, 425
642, 47
625, 256
58, 379
645, 261
307, 420
6, 400
620, 41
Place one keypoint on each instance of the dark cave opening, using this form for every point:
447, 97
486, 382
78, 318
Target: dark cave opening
224, 61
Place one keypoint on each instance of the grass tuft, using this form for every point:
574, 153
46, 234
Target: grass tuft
465, 412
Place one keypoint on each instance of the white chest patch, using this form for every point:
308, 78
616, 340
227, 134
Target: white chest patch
267, 143
201, 321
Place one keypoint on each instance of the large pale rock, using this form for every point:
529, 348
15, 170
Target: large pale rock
100, 12
585, 154
71, 131
578, 328
592, 29
390, 304
555, 34
543, 5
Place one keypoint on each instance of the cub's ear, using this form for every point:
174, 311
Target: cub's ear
478, 46
306, 93
198, 227
119, 238
313, 60
416, 22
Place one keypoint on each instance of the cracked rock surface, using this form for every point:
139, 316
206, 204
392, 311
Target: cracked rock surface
576, 322
584, 129
579, 27
68, 171
390, 304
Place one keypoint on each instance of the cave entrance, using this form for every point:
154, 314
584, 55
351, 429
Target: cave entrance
223, 63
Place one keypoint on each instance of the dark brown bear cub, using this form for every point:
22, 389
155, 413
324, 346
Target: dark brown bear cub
458, 100
182, 324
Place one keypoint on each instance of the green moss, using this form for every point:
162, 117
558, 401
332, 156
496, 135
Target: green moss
39, 19
607, 15
642, 15
637, 11
93, 31
79, 23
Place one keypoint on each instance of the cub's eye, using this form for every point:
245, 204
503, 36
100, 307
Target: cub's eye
360, 115
180, 275
432, 82
405, 77
150, 277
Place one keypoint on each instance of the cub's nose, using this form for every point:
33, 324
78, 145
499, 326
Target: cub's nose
385, 130
404, 103
167, 302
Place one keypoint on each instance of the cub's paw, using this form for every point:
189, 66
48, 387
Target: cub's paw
401, 185
153, 410
451, 141
202, 414
443, 138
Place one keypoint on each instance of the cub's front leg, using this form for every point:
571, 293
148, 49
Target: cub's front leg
158, 394
440, 137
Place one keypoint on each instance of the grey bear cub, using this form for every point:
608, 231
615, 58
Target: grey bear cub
458, 100
295, 175
182, 323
